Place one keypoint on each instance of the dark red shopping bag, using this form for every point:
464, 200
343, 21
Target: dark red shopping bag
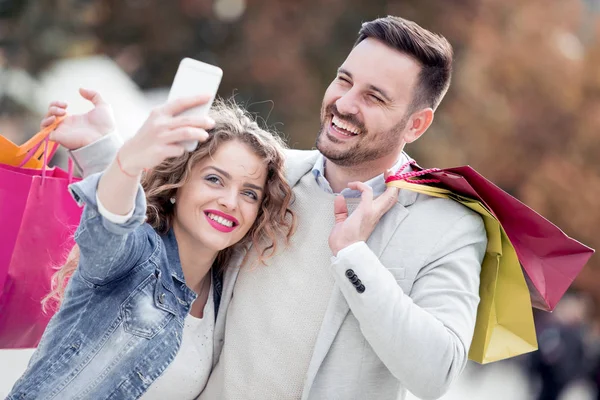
550, 259
38, 217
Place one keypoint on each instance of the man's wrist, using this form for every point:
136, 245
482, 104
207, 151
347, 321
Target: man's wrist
346, 248
96, 156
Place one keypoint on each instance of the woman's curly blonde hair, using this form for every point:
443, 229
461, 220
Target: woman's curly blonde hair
275, 219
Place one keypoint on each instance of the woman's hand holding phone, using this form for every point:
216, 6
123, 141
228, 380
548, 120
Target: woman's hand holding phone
163, 135
159, 138
195, 77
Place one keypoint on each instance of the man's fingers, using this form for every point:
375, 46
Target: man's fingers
55, 132
57, 103
92, 96
54, 110
340, 209
387, 200
47, 121
366, 192
178, 106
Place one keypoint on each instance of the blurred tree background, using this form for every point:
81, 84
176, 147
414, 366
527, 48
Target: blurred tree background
523, 109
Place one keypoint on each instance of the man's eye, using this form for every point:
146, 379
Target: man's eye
375, 98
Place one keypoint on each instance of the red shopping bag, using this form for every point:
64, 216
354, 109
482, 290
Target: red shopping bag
38, 218
550, 259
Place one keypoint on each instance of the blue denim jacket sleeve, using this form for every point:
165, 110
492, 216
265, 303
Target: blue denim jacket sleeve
107, 250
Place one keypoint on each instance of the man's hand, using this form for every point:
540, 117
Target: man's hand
77, 131
359, 226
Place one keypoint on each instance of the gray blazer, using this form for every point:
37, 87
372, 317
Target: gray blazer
412, 326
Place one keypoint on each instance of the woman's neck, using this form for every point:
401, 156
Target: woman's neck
196, 261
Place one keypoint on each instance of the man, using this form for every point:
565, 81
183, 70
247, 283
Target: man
342, 312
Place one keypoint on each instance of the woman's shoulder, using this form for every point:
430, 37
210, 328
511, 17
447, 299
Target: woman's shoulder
155, 246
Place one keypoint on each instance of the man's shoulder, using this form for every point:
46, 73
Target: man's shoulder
295, 154
298, 163
444, 213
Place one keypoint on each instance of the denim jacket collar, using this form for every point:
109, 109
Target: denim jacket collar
173, 255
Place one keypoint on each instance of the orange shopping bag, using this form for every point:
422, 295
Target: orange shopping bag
12, 154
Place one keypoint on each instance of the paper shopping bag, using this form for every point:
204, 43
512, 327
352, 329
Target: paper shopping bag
12, 154
38, 218
504, 327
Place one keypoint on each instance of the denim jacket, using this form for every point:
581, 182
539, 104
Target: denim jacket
121, 321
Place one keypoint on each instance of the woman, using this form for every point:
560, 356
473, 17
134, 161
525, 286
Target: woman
137, 315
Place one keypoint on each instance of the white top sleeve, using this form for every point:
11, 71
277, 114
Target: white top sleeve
114, 218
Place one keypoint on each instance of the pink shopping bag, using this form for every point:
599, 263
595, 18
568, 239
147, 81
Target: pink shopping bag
38, 218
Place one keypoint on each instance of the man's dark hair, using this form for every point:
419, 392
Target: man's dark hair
432, 51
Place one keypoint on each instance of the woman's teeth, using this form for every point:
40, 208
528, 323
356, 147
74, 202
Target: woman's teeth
220, 220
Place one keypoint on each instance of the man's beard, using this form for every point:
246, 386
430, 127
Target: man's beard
358, 153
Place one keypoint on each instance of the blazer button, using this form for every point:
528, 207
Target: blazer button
357, 283
350, 273
354, 279
360, 289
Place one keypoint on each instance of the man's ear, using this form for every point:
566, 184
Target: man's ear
417, 124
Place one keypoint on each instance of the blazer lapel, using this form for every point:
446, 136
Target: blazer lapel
298, 163
338, 308
229, 278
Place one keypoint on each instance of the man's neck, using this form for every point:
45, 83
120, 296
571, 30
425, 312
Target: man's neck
339, 176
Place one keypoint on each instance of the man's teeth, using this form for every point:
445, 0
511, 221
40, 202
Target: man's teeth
341, 124
220, 220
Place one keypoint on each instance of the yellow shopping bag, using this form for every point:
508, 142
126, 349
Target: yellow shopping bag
12, 154
504, 326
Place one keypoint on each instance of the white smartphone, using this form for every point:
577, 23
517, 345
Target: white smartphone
194, 78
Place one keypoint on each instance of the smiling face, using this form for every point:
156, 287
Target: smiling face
219, 203
366, 109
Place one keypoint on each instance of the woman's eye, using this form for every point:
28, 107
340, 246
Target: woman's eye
251, 194
341, 78
213, 179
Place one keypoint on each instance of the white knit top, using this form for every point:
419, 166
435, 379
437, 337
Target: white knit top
186, 376
276, 311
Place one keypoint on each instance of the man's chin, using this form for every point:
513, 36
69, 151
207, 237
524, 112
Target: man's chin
326, 141
336, 157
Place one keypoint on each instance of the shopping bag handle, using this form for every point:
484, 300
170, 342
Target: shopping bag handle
45, 134
34, 143
41, 137
410, 176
